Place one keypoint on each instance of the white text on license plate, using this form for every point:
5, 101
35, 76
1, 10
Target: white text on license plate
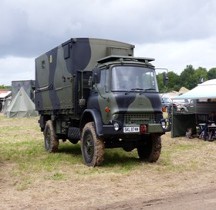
131, 129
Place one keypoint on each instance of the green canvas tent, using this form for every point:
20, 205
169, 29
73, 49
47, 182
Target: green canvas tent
21, 106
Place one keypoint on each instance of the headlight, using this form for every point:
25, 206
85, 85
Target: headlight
163, 124
116, 126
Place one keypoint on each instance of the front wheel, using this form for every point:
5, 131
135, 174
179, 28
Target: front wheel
50, 140
92, 147
150, 151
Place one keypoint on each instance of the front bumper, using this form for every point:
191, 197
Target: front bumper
132, 130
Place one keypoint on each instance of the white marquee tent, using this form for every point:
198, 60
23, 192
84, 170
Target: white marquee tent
202, 91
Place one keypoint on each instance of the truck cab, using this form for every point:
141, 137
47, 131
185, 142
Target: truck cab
125, 105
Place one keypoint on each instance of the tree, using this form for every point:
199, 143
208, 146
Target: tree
173, 82
2, 87
5, 87
200, 75
212, 73
187, 77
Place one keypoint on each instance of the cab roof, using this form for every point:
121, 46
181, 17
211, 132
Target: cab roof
112, 58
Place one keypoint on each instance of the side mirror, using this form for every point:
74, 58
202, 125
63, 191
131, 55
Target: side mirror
90, 81
96, 76
165, 78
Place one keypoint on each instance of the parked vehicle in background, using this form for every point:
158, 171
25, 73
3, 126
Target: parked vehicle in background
167, 107
168, 104
183, 105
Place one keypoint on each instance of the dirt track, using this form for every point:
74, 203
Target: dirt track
136, 191
69, 196
197, 200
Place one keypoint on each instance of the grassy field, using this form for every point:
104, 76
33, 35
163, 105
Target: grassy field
25, 165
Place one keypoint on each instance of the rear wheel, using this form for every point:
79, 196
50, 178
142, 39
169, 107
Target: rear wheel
92, 147
150, 151
50, 140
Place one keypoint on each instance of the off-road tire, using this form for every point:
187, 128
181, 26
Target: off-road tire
150, 152
92, 147
50, 140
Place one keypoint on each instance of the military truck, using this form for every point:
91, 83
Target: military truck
96, 92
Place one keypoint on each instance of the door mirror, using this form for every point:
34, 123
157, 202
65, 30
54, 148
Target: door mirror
165, 78
96, 76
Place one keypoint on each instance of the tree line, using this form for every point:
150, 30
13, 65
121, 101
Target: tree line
188, 78
5, 87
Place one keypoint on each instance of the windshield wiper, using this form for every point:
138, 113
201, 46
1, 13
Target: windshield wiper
137, 89
141, 89
150, 89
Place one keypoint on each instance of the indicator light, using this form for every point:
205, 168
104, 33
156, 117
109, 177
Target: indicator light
107, 109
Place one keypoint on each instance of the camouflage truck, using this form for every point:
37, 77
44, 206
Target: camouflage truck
96, 91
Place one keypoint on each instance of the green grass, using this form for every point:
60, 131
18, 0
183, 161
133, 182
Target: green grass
22, 148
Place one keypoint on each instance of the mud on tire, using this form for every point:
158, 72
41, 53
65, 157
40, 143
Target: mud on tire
50, 140
150, 151
92, 147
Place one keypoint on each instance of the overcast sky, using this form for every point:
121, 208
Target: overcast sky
176, 33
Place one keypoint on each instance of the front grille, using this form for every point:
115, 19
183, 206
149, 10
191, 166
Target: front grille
141, 118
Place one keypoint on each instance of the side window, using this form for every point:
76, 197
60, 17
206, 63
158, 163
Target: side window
66, 51
43, 64
148, 80
104, 79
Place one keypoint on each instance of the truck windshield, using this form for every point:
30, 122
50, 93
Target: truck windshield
133, 78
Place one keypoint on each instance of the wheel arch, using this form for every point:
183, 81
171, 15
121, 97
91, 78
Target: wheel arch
42, 121
90, 115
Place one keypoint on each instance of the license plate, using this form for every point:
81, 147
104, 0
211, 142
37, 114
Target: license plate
131, 129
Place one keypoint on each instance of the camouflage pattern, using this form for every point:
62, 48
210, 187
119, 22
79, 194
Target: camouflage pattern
67, 91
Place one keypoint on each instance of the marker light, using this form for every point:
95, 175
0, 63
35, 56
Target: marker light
107, 109
143, 129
